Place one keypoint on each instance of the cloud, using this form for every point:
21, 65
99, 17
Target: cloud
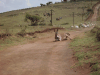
28, 3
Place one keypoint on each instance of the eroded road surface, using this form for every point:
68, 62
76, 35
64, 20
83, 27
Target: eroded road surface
43, 57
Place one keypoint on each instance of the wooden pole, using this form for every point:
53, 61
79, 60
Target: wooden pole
51, 16
82, 13
98, 11
91, 2
73, 18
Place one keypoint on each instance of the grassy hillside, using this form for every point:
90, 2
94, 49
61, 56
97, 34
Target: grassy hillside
11, 20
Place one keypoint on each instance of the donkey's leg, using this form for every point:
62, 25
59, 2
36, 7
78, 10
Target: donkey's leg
60, 38
69, 38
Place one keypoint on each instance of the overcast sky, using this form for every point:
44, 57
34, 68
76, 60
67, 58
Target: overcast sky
8, 5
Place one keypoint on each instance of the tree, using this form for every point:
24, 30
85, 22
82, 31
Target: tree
41, 4
33, 18
47, 4
50, 2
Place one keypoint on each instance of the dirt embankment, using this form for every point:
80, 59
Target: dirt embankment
93, 16
31, 33
43, 31
4, 35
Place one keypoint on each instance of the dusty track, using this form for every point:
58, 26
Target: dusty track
93, 16
43, 57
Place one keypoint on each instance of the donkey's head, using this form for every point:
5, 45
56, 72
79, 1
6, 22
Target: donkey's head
68, 34
55, 30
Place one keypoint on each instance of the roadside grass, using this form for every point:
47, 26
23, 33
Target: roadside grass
13, 40
87, 51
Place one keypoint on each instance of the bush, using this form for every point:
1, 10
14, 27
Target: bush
1, 24
33, 18
41, 5
96, 31
89, 10
98, 35
22, 32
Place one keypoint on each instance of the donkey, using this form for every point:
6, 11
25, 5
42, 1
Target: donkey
60, 37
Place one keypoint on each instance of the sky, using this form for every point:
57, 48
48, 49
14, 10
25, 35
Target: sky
9, 5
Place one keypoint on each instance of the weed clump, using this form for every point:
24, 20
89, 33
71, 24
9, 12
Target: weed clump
22, 32
33, 18
98, 35
96, 31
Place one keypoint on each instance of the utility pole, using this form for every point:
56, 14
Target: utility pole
91, 2
73, 18
51, 16
98, 11
82, 13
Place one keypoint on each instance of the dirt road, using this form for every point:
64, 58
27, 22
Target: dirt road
93, 16
43, 57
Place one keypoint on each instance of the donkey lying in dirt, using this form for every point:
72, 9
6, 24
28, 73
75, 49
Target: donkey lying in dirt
62, 36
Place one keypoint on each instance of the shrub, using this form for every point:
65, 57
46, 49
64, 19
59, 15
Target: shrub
23, 31
1, 24
96, 31
47, 4
44, 5
41, 5
98, 34
33, 18
89, 10
50, 2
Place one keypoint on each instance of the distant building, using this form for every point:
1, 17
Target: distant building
65, 0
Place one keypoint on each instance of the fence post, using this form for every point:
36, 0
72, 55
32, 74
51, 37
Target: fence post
91, 2
51, 16
82, 13
73, 18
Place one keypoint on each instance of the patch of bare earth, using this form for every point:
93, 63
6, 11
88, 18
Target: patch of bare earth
42, 57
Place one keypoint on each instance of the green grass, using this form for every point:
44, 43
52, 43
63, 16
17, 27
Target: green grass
13, 40
87, 50
60, 10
